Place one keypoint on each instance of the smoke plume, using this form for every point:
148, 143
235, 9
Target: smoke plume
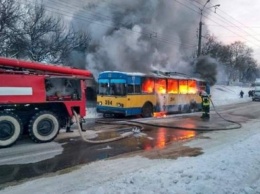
136, 35
206, 67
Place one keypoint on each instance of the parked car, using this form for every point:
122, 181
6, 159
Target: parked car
256, 95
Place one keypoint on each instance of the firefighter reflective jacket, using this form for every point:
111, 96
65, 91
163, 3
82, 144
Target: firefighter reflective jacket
205, 101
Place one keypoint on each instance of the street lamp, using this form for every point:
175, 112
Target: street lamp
200, 24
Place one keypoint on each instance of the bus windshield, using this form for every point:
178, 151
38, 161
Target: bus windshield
116, 87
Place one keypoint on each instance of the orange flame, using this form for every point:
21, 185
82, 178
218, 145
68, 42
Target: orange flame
172, 87
148, 85
159, 114
160, 86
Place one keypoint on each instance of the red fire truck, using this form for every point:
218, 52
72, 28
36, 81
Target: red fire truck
38, 99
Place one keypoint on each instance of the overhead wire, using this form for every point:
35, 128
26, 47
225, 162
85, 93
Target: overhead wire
225, 21
150, 34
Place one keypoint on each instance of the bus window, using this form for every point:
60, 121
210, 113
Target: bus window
118, 87
148, 85
192, 87
103, 88
133, 89
202, 86
172, 87
183, 87
160, 86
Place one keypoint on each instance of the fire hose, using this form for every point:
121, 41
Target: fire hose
138, 123
121, 136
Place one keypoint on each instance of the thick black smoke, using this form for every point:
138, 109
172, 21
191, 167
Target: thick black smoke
206, 67
137, 35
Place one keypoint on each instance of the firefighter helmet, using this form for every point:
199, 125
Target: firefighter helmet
203, 93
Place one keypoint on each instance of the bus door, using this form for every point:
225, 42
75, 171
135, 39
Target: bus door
134, 93
172, 91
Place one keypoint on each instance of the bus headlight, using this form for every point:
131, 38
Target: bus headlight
99, 103
120, 105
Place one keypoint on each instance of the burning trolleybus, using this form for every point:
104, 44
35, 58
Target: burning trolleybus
126, 94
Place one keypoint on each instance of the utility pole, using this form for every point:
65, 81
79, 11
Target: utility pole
200, 25
199, 45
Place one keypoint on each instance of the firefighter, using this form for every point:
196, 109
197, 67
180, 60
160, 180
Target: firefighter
68, 127
205, 103
70, 123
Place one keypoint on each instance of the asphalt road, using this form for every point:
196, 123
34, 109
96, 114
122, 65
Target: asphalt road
27, 160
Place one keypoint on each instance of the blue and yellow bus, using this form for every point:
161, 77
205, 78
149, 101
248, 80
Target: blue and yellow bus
128, 94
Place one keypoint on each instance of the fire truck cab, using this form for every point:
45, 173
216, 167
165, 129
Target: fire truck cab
38, 99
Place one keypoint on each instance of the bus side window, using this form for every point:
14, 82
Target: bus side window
183, 86
130, 89
148, 86
137, 89
133, 89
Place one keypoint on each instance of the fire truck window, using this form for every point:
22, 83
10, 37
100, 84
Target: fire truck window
48, 85
67, 83
172, 86
62, 89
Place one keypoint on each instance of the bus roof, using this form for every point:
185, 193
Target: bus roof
151, 74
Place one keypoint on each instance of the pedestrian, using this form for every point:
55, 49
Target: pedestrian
241, 94
205, 103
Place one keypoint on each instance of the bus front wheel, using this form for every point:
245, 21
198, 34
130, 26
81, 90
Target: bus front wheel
147, 110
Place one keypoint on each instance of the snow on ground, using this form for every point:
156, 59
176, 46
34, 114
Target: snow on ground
222, 95
230, 164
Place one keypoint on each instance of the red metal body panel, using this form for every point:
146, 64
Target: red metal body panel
22, 85
14, 63
22, 82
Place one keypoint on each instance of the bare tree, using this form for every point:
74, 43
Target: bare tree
10, 13
45, 38
236, 59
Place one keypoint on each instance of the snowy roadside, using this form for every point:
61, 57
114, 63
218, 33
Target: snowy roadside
229, 163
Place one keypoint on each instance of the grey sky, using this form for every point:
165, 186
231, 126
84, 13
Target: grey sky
244, 16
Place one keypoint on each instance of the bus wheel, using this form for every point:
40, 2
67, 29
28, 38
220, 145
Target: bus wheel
10, 129
44, 127
147, 110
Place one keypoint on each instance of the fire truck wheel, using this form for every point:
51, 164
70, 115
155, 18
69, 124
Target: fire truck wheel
147, 110
10, 129
44, 127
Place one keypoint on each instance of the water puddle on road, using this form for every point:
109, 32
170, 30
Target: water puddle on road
77, 152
